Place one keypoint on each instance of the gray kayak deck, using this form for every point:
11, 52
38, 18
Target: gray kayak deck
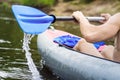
72, 65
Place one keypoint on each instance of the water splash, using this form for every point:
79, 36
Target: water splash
31, 65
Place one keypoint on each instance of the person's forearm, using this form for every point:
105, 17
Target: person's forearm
85, 27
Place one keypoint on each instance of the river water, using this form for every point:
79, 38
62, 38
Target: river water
13, 63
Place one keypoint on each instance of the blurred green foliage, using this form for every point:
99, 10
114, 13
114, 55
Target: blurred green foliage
80, 1
47, 3
37, 2
86, 1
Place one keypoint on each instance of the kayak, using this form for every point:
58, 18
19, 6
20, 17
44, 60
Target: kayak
69, 64
65, 62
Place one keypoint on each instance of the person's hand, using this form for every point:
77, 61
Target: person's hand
78, 15
106, 16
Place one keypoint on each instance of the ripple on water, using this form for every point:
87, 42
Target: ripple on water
15, 73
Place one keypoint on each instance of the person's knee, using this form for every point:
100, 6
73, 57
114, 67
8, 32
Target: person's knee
107, 49
76, 47
107, 52
81, 41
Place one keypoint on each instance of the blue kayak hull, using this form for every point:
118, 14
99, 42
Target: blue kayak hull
72, 65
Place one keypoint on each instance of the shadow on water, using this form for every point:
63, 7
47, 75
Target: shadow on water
13, 64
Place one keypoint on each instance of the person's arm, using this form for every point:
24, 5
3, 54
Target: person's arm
94, 33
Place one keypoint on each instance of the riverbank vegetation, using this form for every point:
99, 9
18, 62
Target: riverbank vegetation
45, 3
37, 2
90, 7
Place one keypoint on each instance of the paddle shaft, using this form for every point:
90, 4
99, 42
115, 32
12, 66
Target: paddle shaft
70, 18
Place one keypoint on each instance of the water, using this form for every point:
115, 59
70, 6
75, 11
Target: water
13, 63
31, 65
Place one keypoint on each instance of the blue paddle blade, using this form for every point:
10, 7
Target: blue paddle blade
31, 20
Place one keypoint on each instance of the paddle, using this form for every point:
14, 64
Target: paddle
34, 21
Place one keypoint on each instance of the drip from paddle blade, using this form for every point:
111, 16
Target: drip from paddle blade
31, 65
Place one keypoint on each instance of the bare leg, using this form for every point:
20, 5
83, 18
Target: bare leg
107, 52
116, 55
85, 47
93, 33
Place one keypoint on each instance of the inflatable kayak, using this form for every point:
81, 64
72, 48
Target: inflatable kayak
72, 65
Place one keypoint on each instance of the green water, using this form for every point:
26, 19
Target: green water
13, 64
